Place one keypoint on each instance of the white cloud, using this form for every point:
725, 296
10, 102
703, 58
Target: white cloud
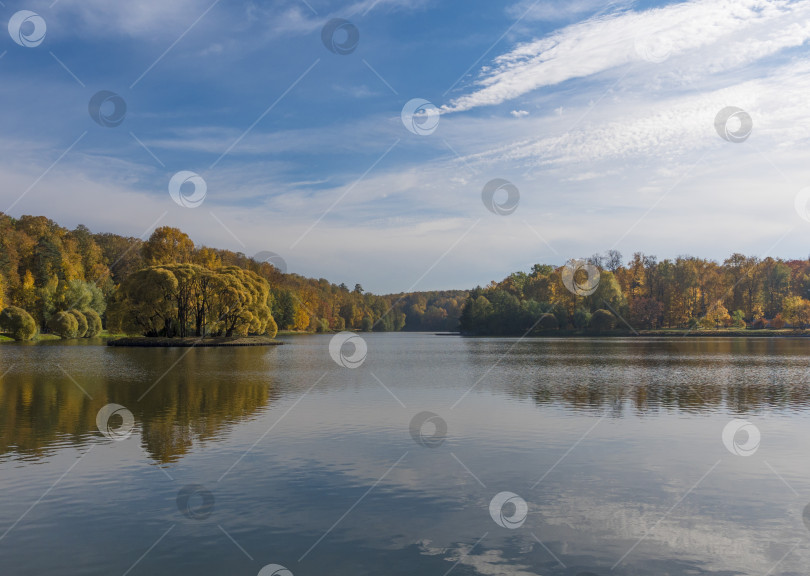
667, 125
711, 36
550, 11
629, 140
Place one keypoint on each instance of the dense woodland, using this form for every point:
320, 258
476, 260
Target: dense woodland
69, 282
167, 286
645, 294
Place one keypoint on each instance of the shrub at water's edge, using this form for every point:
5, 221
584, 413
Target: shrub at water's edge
94, 326
64, 325
81, 320
18, 323
603, 321
272, 328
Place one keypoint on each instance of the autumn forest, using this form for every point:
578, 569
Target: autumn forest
75, 283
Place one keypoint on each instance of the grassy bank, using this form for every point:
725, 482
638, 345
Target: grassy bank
37, 338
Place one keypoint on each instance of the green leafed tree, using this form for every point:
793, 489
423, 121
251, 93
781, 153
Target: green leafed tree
188, 299
582, 318
272, 329
94, 325
167, 245
145, 303
17, 323
603, 321
64, 325
81, 320
796, 311
81, 295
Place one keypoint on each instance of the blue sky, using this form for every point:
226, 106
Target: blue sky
601, 115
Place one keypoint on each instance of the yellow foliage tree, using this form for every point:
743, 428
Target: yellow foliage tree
301, 319
796, 311
715, 317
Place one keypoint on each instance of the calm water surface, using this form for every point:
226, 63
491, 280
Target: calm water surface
287, 458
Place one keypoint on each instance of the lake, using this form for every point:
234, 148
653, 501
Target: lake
436, 455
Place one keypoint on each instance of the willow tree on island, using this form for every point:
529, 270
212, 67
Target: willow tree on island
189, 299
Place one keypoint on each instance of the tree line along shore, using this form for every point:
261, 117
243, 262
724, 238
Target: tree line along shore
743, 295
168, 287
61, 283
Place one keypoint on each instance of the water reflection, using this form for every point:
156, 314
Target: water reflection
48, 402
51, 394
648, 375
356, 477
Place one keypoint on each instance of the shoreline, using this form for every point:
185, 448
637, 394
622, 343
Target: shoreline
194, 342
663, 334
